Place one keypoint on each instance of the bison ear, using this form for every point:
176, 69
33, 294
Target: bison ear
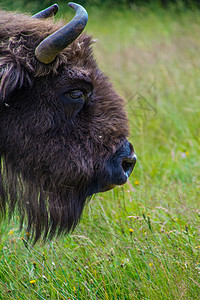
11, 78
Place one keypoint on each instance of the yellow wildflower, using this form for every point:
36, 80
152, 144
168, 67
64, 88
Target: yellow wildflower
32, 281
10, 232
136, 182
131, 231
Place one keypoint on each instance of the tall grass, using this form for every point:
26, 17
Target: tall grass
140, 241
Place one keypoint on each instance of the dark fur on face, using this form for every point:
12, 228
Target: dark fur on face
52, 159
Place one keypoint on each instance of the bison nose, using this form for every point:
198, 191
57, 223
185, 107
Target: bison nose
128, 164
120, 165
123, 163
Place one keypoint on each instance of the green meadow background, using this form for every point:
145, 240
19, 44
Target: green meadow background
142, 240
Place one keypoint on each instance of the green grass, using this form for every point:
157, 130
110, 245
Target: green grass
140, 241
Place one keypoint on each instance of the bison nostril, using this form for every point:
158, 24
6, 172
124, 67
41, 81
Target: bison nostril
128, 165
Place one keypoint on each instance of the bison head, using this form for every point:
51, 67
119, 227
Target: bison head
63, 127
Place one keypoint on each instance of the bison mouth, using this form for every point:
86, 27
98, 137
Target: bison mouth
117, 169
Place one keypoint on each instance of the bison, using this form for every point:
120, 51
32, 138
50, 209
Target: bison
63, 133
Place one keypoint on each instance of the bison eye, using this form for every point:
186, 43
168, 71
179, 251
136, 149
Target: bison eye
73, 102
77, 94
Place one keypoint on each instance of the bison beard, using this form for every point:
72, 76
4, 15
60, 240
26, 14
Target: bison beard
48, 213
63, 127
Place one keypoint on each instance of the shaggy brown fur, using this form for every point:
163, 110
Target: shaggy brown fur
51, 162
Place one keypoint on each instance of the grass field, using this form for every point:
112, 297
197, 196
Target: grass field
142, 240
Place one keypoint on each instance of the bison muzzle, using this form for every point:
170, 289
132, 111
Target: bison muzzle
63, 133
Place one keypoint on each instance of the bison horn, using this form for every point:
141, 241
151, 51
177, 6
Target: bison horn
46, 13
47, 50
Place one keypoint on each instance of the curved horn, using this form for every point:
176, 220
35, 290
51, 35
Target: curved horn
46, 13
47, 50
